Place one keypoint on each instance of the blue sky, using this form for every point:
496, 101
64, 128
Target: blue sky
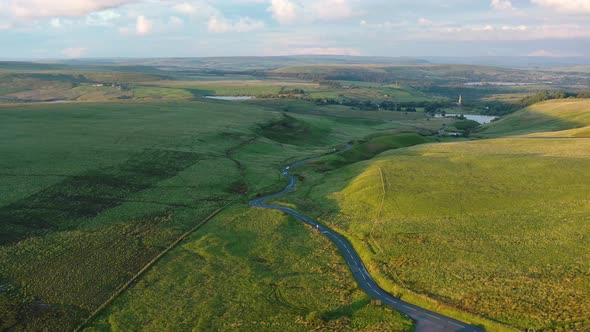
33, 29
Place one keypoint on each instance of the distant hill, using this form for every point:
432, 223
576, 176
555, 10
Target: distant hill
523, 62
419, 74
249, 62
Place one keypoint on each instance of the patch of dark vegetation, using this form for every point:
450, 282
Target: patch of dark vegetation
547, 95
199, 93
239, 187
49, 317
367, 149
499, 108
46, 302
87, 195
290, 130
466, 127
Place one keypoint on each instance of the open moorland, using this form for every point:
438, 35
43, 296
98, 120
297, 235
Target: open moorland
124, 190
495, 228
92, 192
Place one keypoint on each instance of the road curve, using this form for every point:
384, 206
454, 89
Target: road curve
426, 320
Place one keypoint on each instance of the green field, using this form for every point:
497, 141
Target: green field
110, 185
95, 189
250, 270
550, 116
92, 192
489, 227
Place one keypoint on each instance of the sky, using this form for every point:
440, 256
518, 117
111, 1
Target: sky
51, 29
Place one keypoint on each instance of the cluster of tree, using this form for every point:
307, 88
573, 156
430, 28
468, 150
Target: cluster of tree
331, 84
498, 108
435, 107
466, 126
546, 95
384, 105
429, 104
294, 91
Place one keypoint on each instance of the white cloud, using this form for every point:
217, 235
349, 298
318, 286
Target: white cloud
453, 31
306, 11
330, 9
175, 21
196, 8
143, 26
246, 24
185, 8
424, 21
514, 28
6, 26
55, 22
284, 11
102, 18
385, 26
565, 5
545, 53
74, 52
501, 4
498, 28
63, 8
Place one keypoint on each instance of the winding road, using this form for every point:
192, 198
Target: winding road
425, 320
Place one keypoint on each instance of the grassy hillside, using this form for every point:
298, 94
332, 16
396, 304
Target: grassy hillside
92, 192
488, 227
81, 86
250, 270
367, 149
554, 115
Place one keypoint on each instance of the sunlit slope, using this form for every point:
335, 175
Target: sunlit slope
550, 116
498, 228
250, 270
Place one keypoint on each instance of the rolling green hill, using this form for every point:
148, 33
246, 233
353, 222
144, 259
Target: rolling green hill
550, 116
90, 193
496, 228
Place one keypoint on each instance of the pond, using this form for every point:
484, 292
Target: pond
231, 97
481, 119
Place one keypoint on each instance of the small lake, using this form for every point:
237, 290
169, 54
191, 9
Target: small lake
233, 98
481, 119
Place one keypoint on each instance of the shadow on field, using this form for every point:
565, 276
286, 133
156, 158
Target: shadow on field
367, 149
290, 130
82, 196
346, 311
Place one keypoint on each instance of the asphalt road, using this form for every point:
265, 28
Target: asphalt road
425, 320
